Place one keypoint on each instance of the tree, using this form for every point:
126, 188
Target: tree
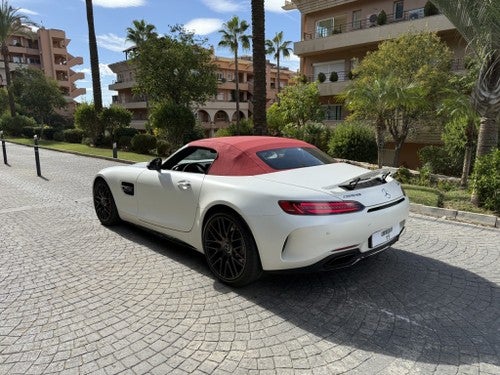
277, 47
11, 23
410, 73
87, 119
259, 67
461, 130
94, 58
174, 121
479, 23
175, 68
37, 95
114, 118
299, 104
233, 36
140, 32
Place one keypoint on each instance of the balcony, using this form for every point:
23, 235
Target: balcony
76, 76
77, 92
217, 105
121, 85
74, 61
365, 32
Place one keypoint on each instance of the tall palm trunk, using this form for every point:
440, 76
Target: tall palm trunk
486, 98
94, 58
259, 66
278, 75
380, 141
237, 81
5, 54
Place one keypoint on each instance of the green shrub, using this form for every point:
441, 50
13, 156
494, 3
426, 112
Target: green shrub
486, 181
127, 131
48, 132
59, 136
73, 135
403, 175
104, 141
382, 18
245, 128
440, 161
425, 177
353, 142
13, 126
321, 77
334, 77
143, 143
193, 134
28, 131
162, 147
124, 142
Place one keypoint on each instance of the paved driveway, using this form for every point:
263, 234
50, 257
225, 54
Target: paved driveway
76, 297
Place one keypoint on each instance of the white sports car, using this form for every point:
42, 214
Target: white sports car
254, 204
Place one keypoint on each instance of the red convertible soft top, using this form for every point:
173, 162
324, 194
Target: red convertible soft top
237, 155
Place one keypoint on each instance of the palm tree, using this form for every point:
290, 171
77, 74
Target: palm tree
259, 67
11, 23
94, 58
277, 47
140, 32
479, 23
233, 36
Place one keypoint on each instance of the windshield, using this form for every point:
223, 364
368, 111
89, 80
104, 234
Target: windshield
294, 157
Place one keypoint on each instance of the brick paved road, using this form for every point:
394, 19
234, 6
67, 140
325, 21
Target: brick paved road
76, 297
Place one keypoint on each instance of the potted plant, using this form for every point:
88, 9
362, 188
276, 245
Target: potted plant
430, 9
382, 18
334, 77
321, 77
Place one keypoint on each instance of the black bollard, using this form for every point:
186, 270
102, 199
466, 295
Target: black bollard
115, 150
3, 148
37, 157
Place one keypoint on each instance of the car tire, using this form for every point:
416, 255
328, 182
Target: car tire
104, 203
230, 249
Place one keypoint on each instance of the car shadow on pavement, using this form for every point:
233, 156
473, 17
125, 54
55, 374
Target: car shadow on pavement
396, 303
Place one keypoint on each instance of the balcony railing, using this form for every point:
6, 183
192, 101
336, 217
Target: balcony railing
408, 15
455, 66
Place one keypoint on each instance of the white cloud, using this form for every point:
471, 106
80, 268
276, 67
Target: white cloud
204, 26
112, 42
119, 3
106, 71
224, 6
274, 6
27, 12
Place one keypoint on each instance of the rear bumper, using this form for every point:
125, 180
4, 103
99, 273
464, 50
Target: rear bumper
340, 260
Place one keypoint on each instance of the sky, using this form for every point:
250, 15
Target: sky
112, 17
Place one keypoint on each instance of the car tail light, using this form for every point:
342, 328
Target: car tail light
320, 208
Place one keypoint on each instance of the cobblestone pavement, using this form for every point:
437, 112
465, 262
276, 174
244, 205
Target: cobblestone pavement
78, 298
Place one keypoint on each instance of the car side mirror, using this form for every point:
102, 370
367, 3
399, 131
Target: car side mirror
155, 164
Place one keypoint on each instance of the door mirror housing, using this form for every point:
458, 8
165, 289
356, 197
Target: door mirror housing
155, 164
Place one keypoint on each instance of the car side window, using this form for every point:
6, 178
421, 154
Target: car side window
192, 160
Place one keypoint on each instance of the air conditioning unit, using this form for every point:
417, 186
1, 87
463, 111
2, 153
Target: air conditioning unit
372, 19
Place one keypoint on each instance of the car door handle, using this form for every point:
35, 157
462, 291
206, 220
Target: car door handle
184, 185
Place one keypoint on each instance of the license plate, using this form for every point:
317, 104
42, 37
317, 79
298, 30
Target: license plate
383, 236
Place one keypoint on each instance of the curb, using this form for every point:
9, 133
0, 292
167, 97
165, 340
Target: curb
450, 214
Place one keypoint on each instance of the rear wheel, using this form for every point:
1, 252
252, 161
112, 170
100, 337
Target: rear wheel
230, 249
104, 203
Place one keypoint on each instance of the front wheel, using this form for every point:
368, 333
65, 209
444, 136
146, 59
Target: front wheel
230, 250
104, 204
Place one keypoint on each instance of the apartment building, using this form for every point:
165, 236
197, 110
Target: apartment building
337, 34
45, 49
216, 113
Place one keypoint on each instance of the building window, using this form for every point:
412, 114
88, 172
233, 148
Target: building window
398, 10
324, 28
356, 20
333, 112
220, 76
220, 95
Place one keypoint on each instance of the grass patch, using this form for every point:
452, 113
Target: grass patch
84, 149
424, 195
